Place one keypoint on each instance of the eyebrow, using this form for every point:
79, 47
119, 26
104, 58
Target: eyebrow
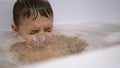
48, 28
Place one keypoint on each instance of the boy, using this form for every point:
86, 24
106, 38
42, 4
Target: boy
33, 20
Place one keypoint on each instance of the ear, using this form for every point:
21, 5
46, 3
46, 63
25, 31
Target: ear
14, 27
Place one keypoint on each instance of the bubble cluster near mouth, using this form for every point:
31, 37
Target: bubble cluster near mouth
41, 40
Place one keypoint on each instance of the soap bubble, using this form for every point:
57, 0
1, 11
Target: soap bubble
40, 40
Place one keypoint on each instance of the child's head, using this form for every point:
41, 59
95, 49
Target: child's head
33, 17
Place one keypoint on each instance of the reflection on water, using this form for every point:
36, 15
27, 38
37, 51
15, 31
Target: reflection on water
61, 46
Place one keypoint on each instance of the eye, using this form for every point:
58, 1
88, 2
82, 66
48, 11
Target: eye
48, 29
34, 32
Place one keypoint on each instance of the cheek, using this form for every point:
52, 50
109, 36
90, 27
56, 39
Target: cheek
27, 38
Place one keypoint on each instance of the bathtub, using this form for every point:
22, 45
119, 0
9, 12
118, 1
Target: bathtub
100, 29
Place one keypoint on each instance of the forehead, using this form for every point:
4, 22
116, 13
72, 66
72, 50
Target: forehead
40, 21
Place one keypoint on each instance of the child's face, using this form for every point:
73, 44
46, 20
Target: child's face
41, 26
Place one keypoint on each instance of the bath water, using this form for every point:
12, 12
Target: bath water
60, 46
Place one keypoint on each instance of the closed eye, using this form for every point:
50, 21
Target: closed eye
33, 32
48, 29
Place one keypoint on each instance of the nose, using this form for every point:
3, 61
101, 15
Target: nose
41, 32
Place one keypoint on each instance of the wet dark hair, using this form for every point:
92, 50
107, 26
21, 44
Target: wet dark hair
31, 8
